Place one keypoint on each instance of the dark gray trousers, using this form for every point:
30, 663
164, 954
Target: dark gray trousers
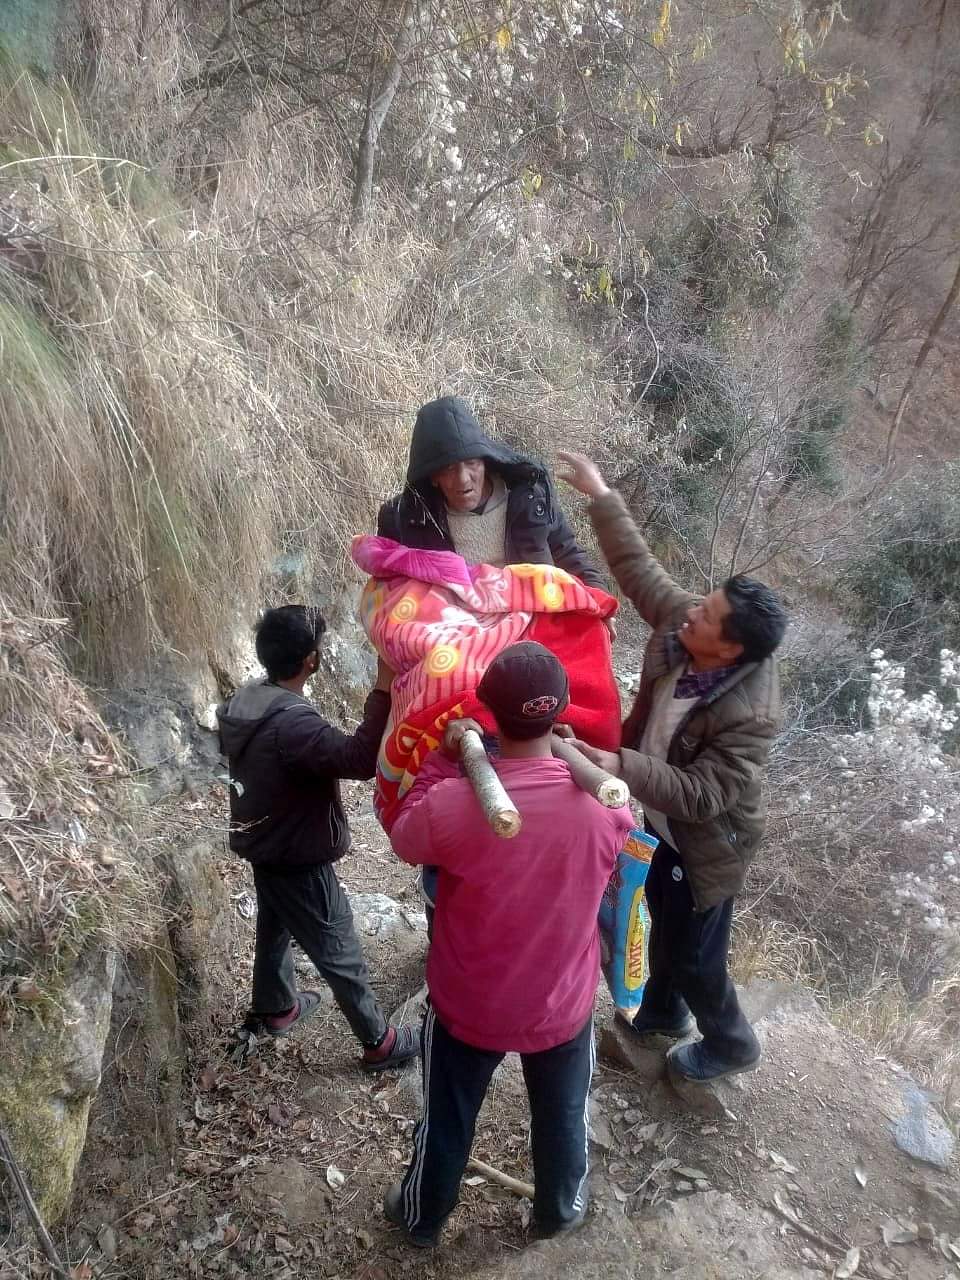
310, 906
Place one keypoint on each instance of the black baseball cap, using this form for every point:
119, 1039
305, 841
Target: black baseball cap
526, 688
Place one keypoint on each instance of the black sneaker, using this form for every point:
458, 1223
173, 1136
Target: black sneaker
400, 1044
645, 1024
393, 1212
695, 1064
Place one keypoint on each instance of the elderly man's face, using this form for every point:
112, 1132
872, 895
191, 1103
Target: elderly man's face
463, 484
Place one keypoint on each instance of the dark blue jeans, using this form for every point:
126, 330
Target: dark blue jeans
455, 1080
688, 962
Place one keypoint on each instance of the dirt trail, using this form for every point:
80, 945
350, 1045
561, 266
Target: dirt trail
283, 1163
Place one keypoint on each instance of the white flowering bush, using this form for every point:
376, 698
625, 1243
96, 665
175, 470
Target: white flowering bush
863, 861
895, 715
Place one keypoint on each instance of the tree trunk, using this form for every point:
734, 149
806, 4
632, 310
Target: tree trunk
379, 102
938, 323
143, 30
937, 90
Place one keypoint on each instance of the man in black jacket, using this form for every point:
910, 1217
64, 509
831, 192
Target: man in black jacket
287, 820
473, 495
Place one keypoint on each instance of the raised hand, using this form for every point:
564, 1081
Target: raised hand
582, 474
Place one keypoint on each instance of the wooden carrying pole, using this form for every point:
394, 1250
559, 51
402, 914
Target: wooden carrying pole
610, 791
498, 809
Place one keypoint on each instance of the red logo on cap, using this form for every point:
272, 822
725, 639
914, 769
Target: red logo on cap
541, 706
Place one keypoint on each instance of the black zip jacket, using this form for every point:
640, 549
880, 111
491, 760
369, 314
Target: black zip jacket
537, 530
284, 761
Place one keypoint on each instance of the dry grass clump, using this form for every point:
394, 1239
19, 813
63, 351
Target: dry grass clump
70, 870
187, 396
923, 1034
773, 950
130, 495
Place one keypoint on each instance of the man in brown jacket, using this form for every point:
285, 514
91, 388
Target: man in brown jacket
695, 747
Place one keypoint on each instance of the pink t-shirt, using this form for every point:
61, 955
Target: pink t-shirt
515, 955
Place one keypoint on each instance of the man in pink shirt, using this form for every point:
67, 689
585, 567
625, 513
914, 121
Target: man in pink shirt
515, 956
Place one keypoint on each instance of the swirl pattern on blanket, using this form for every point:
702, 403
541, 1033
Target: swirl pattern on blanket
439, 623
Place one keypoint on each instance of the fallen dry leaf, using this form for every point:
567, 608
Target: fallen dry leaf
778, 1162
82, 1271
899, 1232
202, 1111
13, 887
209, 1078
849, 1265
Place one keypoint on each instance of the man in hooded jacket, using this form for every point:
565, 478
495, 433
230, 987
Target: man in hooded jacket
475, 496
480, 498
287, 820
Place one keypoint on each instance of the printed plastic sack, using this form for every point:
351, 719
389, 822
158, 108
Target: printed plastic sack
625, 923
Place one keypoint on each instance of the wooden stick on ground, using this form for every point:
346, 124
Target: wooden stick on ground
610, 791
501, 1179
43, 1235
498, 809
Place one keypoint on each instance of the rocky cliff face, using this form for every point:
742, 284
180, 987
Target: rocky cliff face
118, 1023
121, 1021
50, 1069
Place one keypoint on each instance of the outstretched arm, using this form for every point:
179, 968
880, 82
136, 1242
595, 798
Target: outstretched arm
309, 742
697, 792
641, 578
712, 784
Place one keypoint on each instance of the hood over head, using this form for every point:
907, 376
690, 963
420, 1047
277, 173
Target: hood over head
241, 716
446, 431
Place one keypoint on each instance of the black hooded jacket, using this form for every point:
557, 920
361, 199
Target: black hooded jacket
537, 530
285, 760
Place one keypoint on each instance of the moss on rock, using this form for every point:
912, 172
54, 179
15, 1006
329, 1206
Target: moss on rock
49, 1072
